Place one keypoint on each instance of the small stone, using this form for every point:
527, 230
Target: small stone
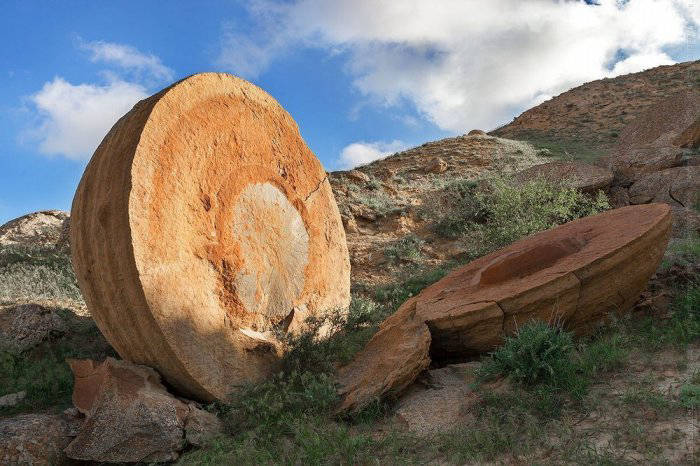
357, 175
201, 426
12, 399
130, 415
437, 165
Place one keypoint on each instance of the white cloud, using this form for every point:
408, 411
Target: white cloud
128, 58
360, 153
469, 63
73, 119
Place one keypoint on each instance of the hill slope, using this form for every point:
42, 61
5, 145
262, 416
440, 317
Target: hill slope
586, 121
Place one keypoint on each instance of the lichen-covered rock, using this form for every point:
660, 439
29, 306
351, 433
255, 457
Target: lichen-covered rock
476, 132
202, 224
577, 274
586, 177
34, 439
25, 326
130, 416
678, 186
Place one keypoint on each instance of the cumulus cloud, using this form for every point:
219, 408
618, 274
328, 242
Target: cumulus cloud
127, 58
360, 153
466, 64
75, 118
71, 119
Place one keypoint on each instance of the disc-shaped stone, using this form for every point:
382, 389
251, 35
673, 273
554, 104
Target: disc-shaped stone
574, 275
202, 225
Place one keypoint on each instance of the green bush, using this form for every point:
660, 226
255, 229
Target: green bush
504, 211
304, 386
406, 248
537, 354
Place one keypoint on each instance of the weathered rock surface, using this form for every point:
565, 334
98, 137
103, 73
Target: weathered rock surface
130, 416
26, 325
583, 176
202, 223
439, 400
39, 229
653, 141
690, 137
34, 439
678, 186
577, 273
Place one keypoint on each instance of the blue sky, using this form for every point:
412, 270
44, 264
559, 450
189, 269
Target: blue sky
361, 78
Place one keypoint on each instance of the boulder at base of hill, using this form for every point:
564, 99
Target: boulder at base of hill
586, 177
130, 417
678, 186
34, 439
202, 226
27, 325
577, 273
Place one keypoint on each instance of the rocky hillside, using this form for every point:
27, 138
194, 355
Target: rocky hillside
389, 207
586, 121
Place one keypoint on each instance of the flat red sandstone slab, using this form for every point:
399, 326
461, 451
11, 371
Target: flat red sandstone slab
202, 224
576, 274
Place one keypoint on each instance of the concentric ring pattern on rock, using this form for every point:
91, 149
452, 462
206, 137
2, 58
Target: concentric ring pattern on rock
576, 274
202, 224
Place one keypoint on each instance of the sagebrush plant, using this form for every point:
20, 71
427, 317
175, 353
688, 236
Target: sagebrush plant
501, 211
406, 248
304, 386
538, 353
35, 273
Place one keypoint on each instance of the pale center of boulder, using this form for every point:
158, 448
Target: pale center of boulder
274, 247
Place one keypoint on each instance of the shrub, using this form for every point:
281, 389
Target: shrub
504, 211
538, 353
36, 274
406, 248
514, 211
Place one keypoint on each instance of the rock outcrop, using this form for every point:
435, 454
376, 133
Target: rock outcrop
202, 224
586, 177
34, 439
130, 416
26, 325
653, 141
577, 274
38, 229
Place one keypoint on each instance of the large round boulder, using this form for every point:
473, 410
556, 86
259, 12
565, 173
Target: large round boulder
203, 226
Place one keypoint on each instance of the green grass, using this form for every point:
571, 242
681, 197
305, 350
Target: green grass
42, 371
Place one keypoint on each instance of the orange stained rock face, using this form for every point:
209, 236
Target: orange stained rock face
575, 274
203, 223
